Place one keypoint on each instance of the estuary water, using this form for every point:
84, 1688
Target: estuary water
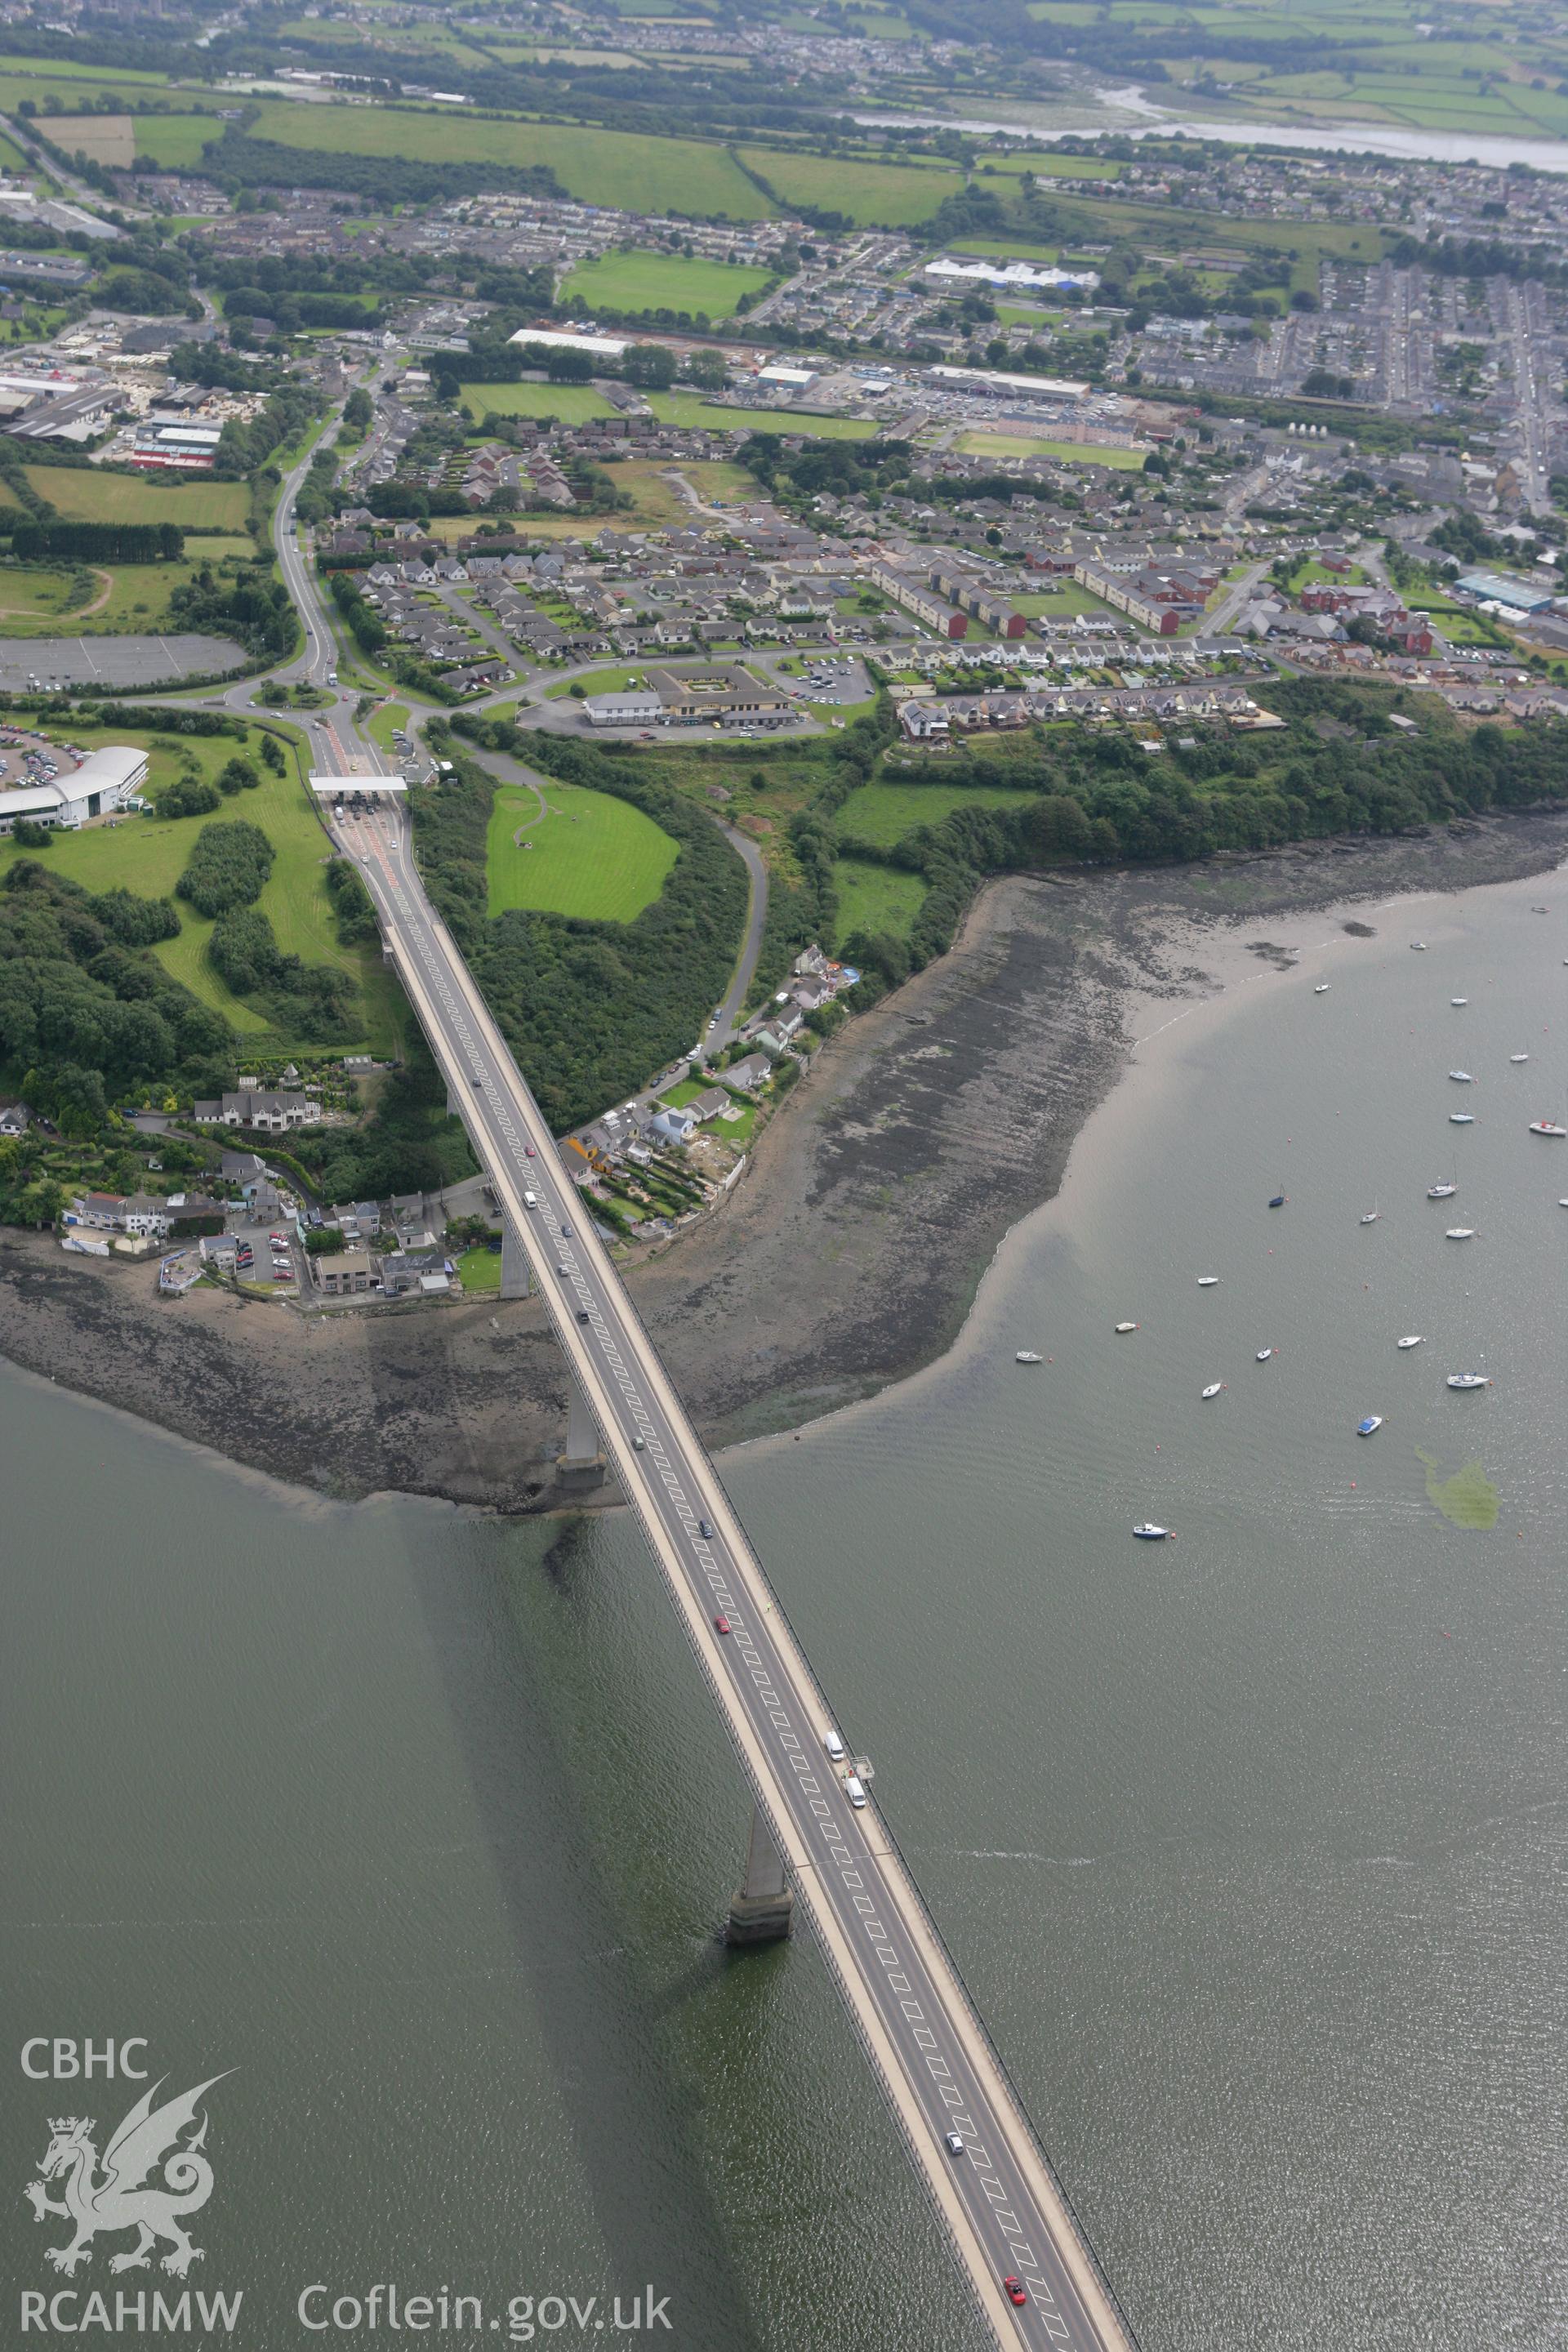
1251, 1846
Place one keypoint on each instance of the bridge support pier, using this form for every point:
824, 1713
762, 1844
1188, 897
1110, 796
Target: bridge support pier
583, 1465
761, 1905
514, 1271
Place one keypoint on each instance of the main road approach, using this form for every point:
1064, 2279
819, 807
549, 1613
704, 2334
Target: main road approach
1005, 2213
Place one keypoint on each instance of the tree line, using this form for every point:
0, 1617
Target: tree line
588, 1007
97, 542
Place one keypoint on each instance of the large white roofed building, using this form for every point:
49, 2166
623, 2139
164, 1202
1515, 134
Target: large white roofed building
107, 779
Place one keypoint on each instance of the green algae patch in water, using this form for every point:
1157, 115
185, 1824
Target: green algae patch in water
1469, 1498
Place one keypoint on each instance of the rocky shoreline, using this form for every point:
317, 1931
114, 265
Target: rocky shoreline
846, 1259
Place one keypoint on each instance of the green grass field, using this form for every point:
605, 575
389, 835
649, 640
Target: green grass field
480, 1270
625, 169
888, 195
884, 813
382, 719
690, 408
148, 855
87, 494
612, 680
174, 142
664, 281
37, 601
592, 856
1071, 453
574, 404
875, 898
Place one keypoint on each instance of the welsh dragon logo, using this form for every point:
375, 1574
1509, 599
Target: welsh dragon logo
151, 2182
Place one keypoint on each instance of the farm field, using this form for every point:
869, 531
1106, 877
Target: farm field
664, 281
591, 856
884, 813
690, 408
889, 196
89, 494
629, 170
108, 139
174, 142
1071, 453
875, 899
574, 404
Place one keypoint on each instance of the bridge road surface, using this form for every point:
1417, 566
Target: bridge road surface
999, 2202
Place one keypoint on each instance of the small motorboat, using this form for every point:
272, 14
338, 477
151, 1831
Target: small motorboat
1460, 1233
1461, 1077
1373, 1421
1277, 1201
1519, 1057
1263, 1355
1459, 1000
1207, 1281
1025, 1356
1213, 1389
1126, 1326
1442, 1192
1147, 1532
1410, 1339
1461, 1118
1420, 945
1468, 1380
1546, 1127
1322, 987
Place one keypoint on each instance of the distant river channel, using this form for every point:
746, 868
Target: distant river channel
1129, 115
415, 1828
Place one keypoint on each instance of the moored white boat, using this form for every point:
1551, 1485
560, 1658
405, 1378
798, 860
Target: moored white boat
1519, 1057
1264, 1354
1025, 1356
1207, 1281
1410, 1339
1373, 1421
1213, 1389
1460, 1233
1126, 1326
1459, 1000
1468, 1380
1461, 1118
1322, 989
1443, 1191
1148, 1532
1546, 1127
